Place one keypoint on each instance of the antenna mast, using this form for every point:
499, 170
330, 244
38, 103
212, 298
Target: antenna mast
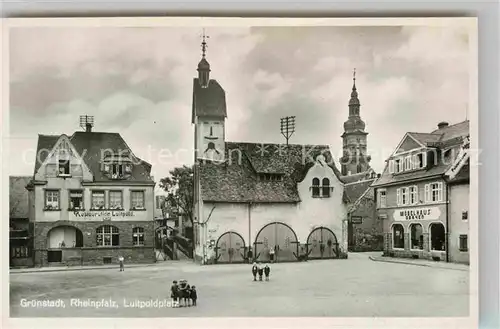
287, 127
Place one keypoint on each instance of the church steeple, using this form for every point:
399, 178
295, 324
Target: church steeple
203, 65
355, 159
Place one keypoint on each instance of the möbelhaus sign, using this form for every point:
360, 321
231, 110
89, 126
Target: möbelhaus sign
424, 213
102, 214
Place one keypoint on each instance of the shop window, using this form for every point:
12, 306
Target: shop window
438, 236
138, 236
416, 237
325, 188
76, 200
463, 243
107, 235
107, 260
315, 187
137, 200
51, 199
98, 200
115, 200
398, 237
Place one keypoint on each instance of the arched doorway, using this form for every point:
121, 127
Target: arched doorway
322, 243
279, 236
437, 237
230, 248
60, 238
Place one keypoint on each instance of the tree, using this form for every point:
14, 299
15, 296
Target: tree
180, 190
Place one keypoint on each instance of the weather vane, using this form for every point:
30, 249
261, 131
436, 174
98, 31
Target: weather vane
354, 74
204, 44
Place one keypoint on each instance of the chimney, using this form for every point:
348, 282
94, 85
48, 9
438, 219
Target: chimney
442, 125
88, 128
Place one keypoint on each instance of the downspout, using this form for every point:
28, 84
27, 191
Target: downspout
250, 227
447, 236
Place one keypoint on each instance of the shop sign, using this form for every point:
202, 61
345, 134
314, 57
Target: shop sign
103, 214
423, 213
356, 219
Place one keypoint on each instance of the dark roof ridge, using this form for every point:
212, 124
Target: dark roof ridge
361, 181
449, 126
256, 143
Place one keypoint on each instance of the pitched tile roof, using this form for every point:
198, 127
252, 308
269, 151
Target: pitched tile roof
448, 136
355, 190
347, 179
424, 138
18, 196
89, 146
237, 179
209, 101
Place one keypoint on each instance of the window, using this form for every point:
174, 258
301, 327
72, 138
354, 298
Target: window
137, 200
438, 236
51, 199
465, 215
117, 170
76, 200
399, 165
98, 200
398, 238
391, 166
315, 187
359, 168
20, 252
382, 199
463, 243
271, 177
413, 194
64, 167
138, 236
107, 235
417, 237
115, 200
403, 196
326, 188
422, 160
434, 192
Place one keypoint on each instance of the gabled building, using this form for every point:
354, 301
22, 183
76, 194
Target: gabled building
423, 195
252, 199
20, 242
91, 200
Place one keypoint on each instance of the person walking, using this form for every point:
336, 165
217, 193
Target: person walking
121, 260
267, 271
271, 255
261, 271
255, 270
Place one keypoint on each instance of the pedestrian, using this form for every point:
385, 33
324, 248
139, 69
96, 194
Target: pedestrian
121, 260
249, 255
267, 270
255, 269
261, 271
174, 293
194, 295
271, 255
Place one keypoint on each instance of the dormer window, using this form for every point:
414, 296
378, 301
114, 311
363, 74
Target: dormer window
271, 177
326, 188
323, 190
315, 187
117, 170
64, 168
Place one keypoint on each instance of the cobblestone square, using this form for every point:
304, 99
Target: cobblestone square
356, 287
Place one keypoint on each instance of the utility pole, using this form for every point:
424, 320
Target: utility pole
287, 127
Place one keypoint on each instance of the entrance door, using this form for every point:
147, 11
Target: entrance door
54, 256
322, 243
230, 248
280, 237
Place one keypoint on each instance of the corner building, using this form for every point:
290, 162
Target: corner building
423, 195
90, 200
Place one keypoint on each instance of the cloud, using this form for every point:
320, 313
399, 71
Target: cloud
138, 81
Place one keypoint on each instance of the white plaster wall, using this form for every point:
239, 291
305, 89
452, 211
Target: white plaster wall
302, 217
459, 202
59, 234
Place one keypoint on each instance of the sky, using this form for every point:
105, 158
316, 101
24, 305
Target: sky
138, 82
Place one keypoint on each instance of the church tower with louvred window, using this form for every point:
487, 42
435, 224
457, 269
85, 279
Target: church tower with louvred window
355, 158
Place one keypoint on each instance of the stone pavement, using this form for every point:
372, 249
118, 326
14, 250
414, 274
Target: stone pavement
419, 262
356, 287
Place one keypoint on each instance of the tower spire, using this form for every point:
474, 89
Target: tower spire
354, 101
354, 79
204, 44
203, 65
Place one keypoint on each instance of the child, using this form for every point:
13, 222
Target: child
267, 270
194, 295
174, 291
255, 269
261, 271
121, 259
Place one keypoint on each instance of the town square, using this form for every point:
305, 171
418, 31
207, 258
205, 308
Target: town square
357, 287
336, 185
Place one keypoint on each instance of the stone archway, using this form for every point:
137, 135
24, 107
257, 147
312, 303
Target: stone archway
322, 244
230, 248
61, 237
279, 236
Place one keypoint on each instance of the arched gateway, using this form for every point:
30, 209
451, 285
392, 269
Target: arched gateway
279, 236
322, 243
230, 248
